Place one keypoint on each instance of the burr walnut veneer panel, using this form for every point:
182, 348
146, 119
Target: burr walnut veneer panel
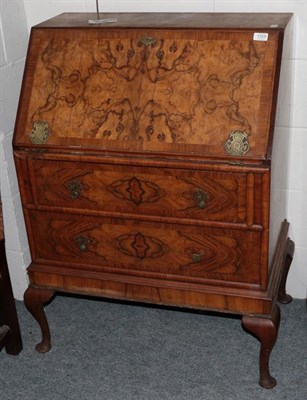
182, 193
154, 249
185, 92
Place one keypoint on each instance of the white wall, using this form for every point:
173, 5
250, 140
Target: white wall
13, 45
291, 116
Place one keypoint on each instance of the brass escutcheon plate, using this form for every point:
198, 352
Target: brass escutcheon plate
147, 41
40, 132
237, 144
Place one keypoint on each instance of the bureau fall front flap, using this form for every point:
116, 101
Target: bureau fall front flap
191, 91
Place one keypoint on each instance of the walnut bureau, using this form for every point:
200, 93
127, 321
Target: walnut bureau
143, 150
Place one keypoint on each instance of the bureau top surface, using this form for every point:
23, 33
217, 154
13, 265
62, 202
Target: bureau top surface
173, 20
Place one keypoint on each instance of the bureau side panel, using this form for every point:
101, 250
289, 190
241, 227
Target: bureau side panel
279, 154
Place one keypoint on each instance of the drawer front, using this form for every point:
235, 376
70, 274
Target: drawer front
164, 251
202, 195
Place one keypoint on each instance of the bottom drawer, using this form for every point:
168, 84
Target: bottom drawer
165, 251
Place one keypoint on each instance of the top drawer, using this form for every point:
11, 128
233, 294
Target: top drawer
167, 192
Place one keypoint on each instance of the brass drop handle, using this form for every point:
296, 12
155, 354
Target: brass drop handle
83, 242
74, 188
197, 257
201, 198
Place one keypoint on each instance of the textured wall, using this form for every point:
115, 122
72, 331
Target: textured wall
13, 45
291, 115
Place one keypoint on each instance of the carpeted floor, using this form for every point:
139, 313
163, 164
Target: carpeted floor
117, 351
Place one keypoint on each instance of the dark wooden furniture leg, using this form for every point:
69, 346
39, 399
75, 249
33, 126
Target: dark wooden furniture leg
10, 336
283, 297
34, 300
266, 330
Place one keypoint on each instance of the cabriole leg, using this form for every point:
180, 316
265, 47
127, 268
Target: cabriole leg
283, 297
266, 331
34, 300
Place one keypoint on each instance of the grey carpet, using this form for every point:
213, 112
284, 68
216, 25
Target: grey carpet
116, 351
